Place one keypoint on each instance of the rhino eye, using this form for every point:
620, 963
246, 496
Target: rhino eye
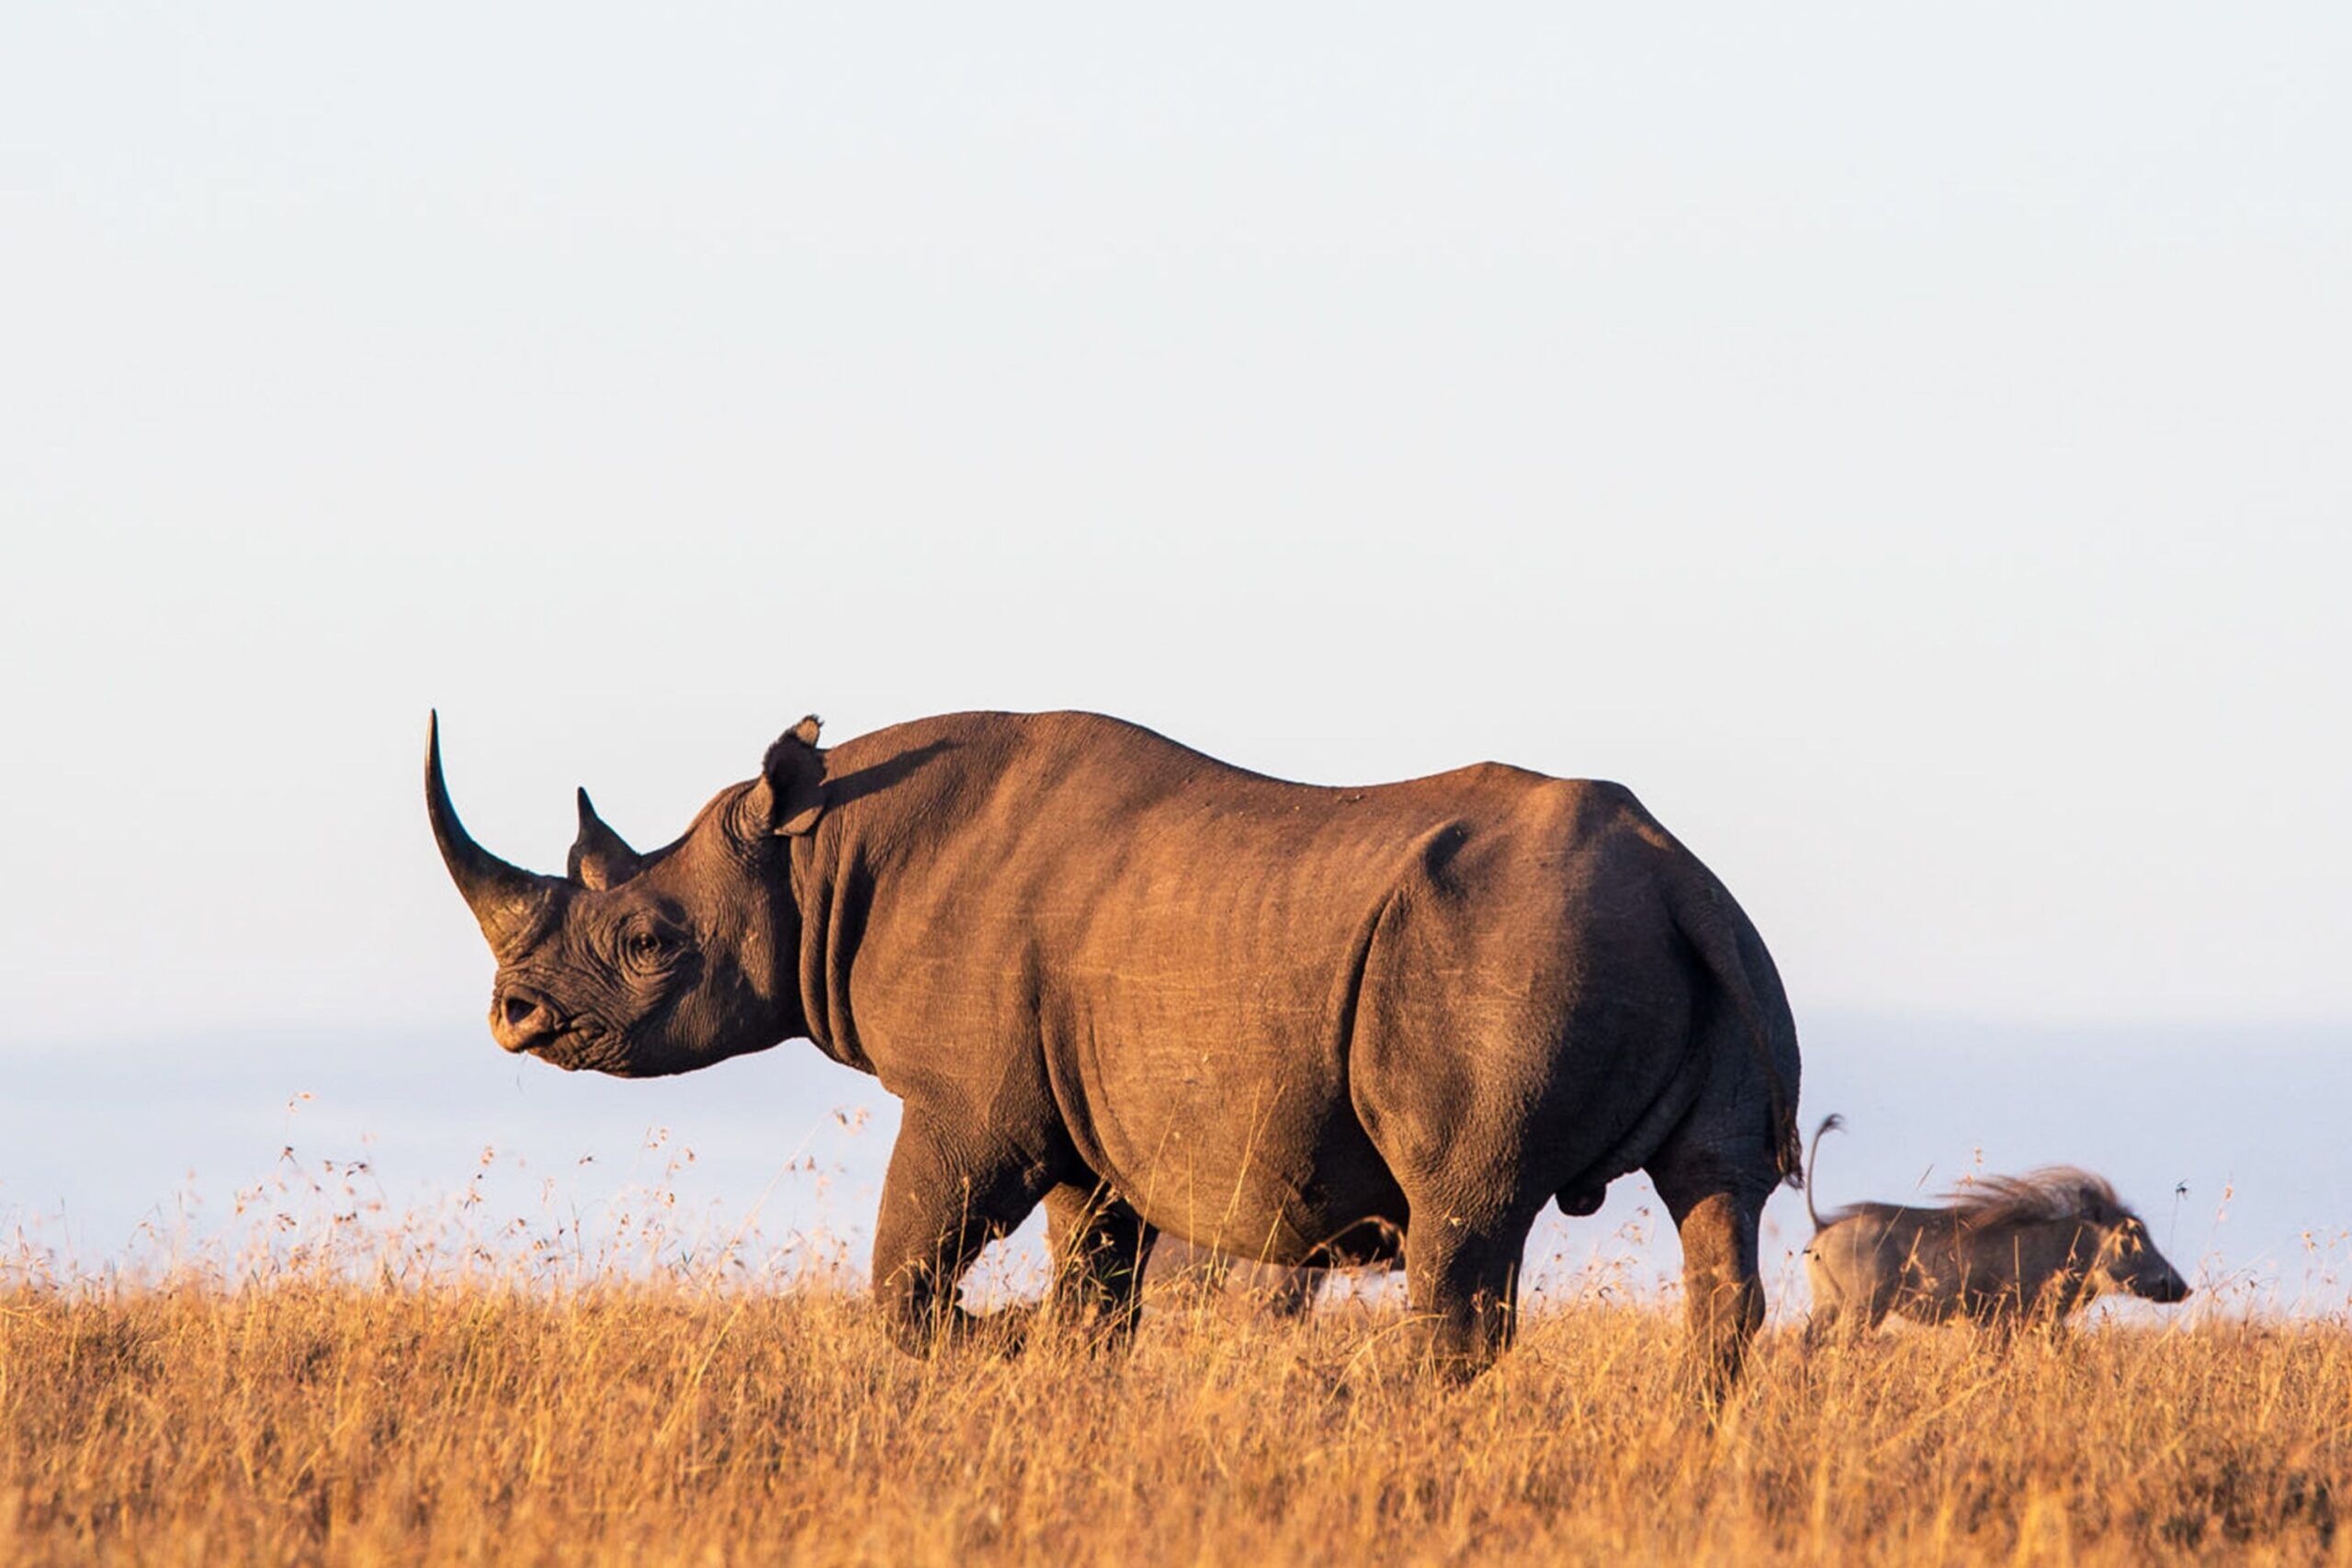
649, 948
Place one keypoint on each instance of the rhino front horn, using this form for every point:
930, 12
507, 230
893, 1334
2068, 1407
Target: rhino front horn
506, 900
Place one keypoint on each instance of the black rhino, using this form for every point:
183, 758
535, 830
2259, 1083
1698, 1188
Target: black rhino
1157, 993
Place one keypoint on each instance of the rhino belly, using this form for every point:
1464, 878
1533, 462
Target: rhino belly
1251, 1159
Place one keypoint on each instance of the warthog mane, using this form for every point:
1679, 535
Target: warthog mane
2053, 1192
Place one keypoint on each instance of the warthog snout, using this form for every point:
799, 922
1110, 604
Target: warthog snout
2162, 1283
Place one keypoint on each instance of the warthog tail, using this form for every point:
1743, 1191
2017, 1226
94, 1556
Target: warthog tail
1700, 914
1813, 1158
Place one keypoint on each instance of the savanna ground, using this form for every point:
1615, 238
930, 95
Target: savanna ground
286, 1412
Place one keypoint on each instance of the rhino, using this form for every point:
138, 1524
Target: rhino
2005, 1253
1155, 992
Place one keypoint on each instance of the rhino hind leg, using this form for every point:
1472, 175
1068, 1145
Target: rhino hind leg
1723, 1289
1462, 1274
948, 1195
1101, 1247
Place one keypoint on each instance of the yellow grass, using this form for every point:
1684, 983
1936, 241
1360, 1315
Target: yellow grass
299, 1417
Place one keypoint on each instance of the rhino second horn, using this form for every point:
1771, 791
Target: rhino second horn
506, 900
600, 858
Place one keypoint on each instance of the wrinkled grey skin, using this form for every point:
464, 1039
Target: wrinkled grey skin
1154, 992
2016, 1252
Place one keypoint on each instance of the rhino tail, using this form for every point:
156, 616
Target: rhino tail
1813, 1158
1700, 915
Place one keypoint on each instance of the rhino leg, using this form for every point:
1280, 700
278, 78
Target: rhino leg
1100, 1247
948, 1194
1722, 1293
1462, 1276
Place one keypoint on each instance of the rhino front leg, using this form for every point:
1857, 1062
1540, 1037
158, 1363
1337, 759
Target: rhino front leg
951, 1191
1100, 1247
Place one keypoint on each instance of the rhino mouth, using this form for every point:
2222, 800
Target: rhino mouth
582, 1048
589, 1049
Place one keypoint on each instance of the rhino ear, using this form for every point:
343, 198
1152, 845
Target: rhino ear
790, 794
600, 858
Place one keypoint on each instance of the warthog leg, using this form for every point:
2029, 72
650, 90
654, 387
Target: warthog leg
1821, 1326
1838, 1318
1841, 1323
1099, 1248
949, 1192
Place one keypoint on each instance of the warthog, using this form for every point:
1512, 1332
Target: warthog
1152, 991
2005, 1252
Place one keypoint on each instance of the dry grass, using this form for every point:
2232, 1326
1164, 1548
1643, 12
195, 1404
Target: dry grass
300, 1417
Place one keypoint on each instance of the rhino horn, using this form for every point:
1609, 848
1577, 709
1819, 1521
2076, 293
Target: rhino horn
600, 858
506, 900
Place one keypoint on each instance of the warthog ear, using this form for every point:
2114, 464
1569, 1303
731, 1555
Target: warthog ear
790, 794
2101, 1206
600, 858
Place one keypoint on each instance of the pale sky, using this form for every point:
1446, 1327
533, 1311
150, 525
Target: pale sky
1914, 453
